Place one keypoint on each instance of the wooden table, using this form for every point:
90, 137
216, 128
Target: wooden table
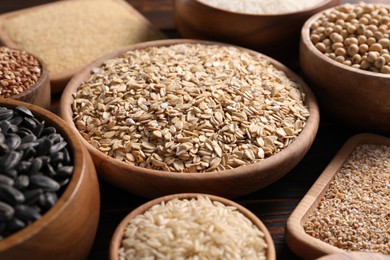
273, 204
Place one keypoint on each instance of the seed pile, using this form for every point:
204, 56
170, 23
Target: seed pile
264, 6
35, 167
18, 71
70, 34
192, 229
355, 35
354, 214
189, 108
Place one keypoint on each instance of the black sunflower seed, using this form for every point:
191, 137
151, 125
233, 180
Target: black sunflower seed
10, 195
32, 196
13, 141
30, 123
6, 114
8, 161
36, 165
44, 182
16, 120
22, 182
6, 212
4, 126
6, 180
15, 224
24, 111
26, 213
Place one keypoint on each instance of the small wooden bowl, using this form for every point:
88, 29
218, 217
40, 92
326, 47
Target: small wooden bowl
353, 96
297, 239
276, 35
39, 94
119, 232
68, 229
230, 183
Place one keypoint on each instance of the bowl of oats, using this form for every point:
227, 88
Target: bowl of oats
345, 57
24, 77
191, 224
175, 116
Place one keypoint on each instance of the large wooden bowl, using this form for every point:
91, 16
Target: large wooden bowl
229, 183
353, 96
273, 34
68, 229
39, 94
119, 232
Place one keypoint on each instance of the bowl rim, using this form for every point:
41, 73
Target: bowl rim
41, 82
310, 101
119, 230
72, 187
296, 237
227, 11
305, 40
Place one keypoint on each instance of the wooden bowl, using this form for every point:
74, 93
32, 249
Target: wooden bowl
230, 183
39, 94
60, 79
355, 97
303, 244
119, 232
276, 35
68, 229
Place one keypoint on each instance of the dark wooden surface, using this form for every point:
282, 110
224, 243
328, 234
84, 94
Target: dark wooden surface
273, 204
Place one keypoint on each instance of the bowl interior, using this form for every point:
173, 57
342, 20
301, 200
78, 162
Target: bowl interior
119, 232
270, 166
228, 11
72, 187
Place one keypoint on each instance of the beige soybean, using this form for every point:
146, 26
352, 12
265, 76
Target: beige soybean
189, 108
358, 35
354, 214
70, 34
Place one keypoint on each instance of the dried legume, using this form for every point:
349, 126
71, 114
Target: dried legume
18, 71
356, 35
263, 6
35, 168
70, 34
189, 108
354, 214
192, 229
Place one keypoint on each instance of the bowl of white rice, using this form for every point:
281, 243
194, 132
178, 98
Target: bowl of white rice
270, 26
191, 226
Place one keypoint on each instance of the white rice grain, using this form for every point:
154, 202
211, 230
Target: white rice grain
192, 229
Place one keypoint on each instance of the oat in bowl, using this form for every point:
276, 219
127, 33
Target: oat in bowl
347, 209
188, 112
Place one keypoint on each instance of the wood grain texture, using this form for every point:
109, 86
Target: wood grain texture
301, 243
67, 230
354, 96
230, 183
120, 230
